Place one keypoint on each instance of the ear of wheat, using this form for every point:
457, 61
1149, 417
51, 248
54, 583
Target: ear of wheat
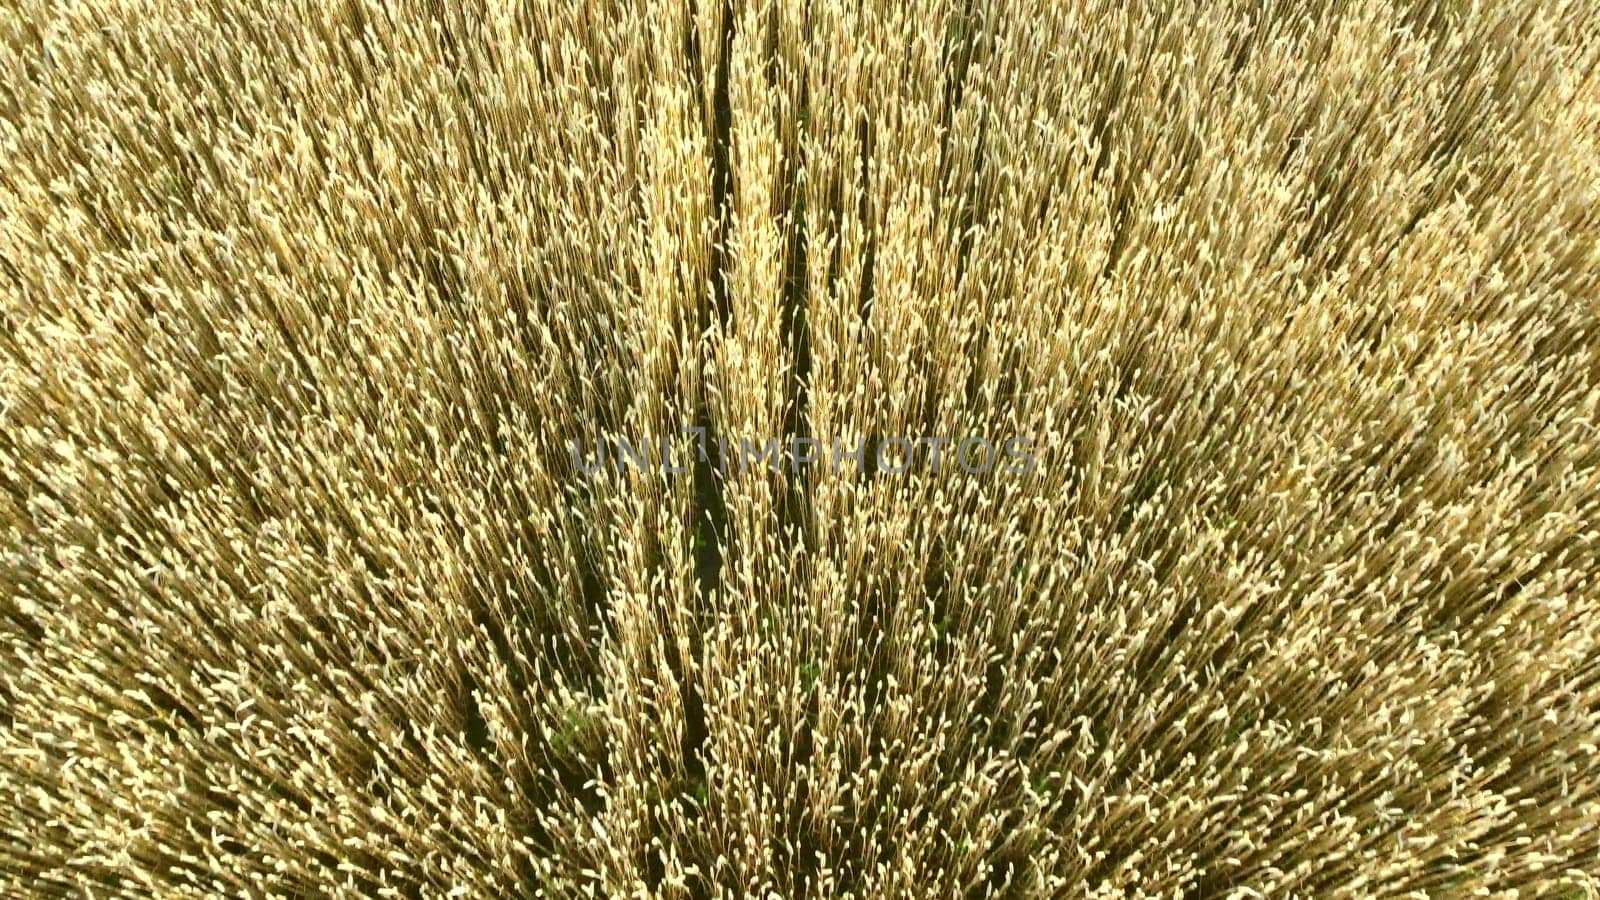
302, 592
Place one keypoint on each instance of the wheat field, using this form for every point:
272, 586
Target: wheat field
307, 308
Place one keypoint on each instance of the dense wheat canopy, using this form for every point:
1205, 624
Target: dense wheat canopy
303, 589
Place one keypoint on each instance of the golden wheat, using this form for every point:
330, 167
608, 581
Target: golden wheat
304, 592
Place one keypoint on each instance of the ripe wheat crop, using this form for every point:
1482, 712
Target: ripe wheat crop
305, 308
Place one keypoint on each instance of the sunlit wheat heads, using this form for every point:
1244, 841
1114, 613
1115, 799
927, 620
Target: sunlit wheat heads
304, 305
